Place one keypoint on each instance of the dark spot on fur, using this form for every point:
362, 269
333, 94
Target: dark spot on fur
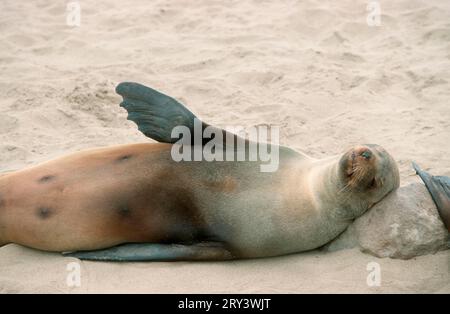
46, 179
44, 212
124, 158
2, 201
124, 211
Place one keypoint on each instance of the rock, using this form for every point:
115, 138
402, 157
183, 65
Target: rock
403, 225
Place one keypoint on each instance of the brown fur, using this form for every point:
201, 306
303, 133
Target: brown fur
98, 199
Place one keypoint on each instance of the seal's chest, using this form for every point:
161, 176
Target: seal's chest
278, 232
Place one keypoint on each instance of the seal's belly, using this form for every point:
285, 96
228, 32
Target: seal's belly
271, 230
92, 200
264, 214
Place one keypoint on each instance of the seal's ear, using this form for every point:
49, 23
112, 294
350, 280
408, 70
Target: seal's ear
154, 113
439, 188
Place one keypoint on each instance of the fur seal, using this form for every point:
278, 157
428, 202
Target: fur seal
439, 188
135, 203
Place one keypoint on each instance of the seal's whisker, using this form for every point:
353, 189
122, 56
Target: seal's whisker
344, 189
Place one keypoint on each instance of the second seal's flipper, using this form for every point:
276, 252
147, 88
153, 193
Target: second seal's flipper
141, 252
439, 188
154, 113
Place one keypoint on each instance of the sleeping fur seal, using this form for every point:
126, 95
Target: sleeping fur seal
135, 203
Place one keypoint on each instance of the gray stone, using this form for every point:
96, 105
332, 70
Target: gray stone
403, 225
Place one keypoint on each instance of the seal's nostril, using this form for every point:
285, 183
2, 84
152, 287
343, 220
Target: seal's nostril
366, 154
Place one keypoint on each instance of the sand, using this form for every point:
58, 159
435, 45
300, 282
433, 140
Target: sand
313, 68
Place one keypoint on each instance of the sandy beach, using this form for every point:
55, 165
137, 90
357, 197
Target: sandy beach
315, 69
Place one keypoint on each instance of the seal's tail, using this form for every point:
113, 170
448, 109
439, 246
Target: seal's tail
439, 188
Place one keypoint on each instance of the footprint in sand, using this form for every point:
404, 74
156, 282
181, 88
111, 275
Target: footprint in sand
334, 40
438, 36
352, 57
42, 51
95, 100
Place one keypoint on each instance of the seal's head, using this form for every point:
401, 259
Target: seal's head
367, 174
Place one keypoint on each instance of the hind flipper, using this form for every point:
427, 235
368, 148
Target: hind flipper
154, 113
140, 252
439, 188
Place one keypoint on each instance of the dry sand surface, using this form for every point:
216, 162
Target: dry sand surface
313, 68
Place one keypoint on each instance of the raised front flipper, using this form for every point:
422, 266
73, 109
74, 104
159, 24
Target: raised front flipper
439, 188
154, 113
140, 252
157, 114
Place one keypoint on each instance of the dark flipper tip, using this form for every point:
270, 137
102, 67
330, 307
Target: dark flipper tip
121, 88
416, 167
439, 188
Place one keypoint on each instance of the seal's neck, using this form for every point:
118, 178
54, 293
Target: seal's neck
340, 202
